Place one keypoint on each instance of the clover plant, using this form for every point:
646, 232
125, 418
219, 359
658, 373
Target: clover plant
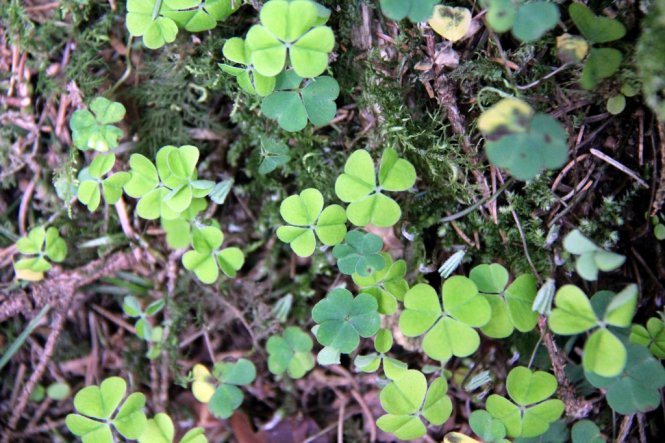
55, 391
415, 10
160, 429
357, 185
387, 285
522, 142
448, 331
96, 412
206, 259
306, 216
392, 367
407, 398
36, 247
586, 431
295, 101
590, 257
91, 179
341, 320
652, 337
133, 309
511, 305
290, 352
360, 254
528, 21
220, 389
488, 428
273, 155
452, 23
179, 230
198, 15
574, 313
94, 129
528, 413
236, 51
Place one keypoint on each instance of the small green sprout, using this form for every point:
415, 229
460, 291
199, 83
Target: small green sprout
293, 102
528, 21
591, 258
341, 320
94, 129
273, 155
586, 431
306, 216
447, 332
221, 391
392, 367
132, 308
206, 259
488, 428
530, 413
386, 285
91, 178
39, 245
360, 254
57, 391
291, 353
160, 429
358, 187
652, 337
96, 407
407, 399
415, 10
658, 222
236, 51
574, 313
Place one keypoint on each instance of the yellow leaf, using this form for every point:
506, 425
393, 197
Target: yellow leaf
571, 48
29, 275
509, 115
450, 23
456, 437
202, 388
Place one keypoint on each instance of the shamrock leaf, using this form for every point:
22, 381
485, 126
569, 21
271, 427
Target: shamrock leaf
290, 352
357, 186
447, 332
652, 337
96, 406
197, 15
407, 398
145, 19
451, 23
179, 230
305, 214
90, 180
636, 388
601, 63
93, 129
586, 431
488, 428
387, 285
293, 104
221, 392
206, 259
160, 429
415, 10
290, 28
392, 367
360, 254
236, 51
594, 28
591, 258
273, 155
531, 413
528, 21
37, 246
342, 319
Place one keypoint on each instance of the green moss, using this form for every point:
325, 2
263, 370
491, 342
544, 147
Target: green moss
650, 56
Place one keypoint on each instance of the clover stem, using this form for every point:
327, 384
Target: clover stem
156, 9
479, 203
128, 69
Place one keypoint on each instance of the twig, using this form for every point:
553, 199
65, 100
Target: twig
525, 246
619, 166
479, 203
624, 430
369, 419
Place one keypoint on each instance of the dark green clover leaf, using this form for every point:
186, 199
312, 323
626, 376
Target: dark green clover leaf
90, 180
590, 257
342, 319
248, 79
273, 155
529, 414
360, 254
291, 353
145, 19
586, 431
228, 396
392, 367
594, 28
529, 21
415, 10
293, 104
39, 245
386, 285
198, 15
206, 259
652, 337
94, 129
488, 428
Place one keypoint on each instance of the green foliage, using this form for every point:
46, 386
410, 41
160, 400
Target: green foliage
358, 187
160, 429
133, 309
604, 352
94, 129
649, 56
591, 258
179, 230
341, 320
448, 331
96, 407
488, 428
387, 285
90, 180
415, 10
530, 413
586, 431
306, 216
392, 367
652, 337
236, 51
273, 155
407, 398
39, 245
360, 254
206, 259
221, 391
291, 353
528, 21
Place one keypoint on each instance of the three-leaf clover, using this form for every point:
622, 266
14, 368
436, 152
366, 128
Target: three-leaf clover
90, 180
179, 230
94, 129
273, 155
160, 429
358, 187
145, 19
206, 259
39, 245
652, 337
198, 15
488, 428
392, 367
591, 257
306, 216
447, 332
415, 10
132, 307
290, 28
360, 254
511, 306
604, 352
291, 353
528, 21
221, 391
293, 102
530, 413
341, 320
407, 398
96, 407
236, 51
387, 285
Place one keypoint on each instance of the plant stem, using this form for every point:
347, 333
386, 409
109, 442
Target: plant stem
156, 9
479, 203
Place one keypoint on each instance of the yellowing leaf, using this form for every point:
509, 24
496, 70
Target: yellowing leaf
28, 274
450, 23
456, 437
571, 48
202, 389
509, 115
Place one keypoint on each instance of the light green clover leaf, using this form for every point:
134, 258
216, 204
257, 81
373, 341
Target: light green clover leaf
235, 50
392, 367
90, 180
206, 259
145, 19
488, 428
93, 129
293, 104
290, 28
531, 413
160, 429
96, 406
415, 10
179, 230
652, 337
358, 186
407, 398
448, 332
528, 21
198, 15
360, 254
387, 285
132, 307
291, 353
37, 246
590, 257
228, 396
306, 216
